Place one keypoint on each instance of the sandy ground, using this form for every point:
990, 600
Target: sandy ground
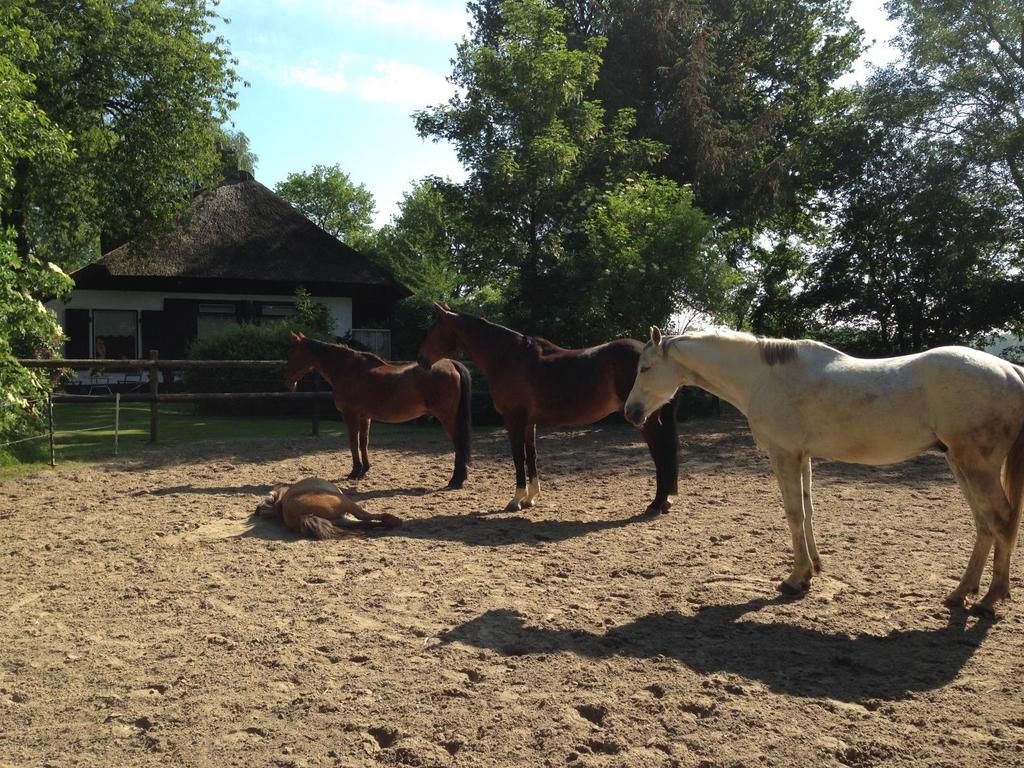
145, 619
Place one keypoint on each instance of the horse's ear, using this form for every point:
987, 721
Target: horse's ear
655, 335
295, 336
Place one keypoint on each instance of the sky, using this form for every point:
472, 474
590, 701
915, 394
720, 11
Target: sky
336, 82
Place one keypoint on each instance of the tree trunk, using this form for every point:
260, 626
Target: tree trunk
16, 215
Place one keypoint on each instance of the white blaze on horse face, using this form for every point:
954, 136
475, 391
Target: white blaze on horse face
655, 384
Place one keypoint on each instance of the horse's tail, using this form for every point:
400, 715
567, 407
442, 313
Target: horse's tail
321, 528
464, 416
1013, 478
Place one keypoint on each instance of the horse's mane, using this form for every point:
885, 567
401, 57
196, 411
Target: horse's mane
777, 351
773, 351
332, 350
545, 346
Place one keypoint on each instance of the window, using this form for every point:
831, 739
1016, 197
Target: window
115, 334
214, 318
271, 312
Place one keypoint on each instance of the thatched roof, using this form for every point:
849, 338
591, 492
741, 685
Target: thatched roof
242, 232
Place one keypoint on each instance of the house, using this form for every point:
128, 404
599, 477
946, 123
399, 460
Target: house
238, 256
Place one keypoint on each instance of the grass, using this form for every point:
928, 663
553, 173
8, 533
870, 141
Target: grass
84, 432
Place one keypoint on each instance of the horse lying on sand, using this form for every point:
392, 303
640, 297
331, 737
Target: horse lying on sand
805, 399
318, 508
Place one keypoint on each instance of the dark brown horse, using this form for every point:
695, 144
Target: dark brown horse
367, 388
535, 382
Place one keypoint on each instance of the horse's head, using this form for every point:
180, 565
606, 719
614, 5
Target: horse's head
300, 361
656, 381
442, 338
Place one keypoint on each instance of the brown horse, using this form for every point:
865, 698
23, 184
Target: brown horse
535, 382
317, 507
367, 388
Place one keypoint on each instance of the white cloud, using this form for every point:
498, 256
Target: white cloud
386, 82
446, 19
314, 77
395, 82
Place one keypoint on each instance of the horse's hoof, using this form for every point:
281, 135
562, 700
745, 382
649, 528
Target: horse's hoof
454, 485
954, 601
528, 503
353, 475
983, 611
658, 507
816, 564
513, 506
790, 591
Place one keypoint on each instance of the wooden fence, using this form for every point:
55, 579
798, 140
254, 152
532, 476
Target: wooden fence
154, 365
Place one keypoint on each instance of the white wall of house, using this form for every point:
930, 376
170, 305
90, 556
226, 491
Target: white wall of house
339, 306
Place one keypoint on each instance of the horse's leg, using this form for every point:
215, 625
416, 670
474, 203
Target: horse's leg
460, 472
516, 426
352, 421
367, 519
788, 470
812, 549
364, 442
662, 440
987, 489
971, 580
533, 490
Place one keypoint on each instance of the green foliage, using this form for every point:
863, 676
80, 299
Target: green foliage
313, 315
269, 341
644, 256
26, 328
236, 154
924, 251
552, 178
328, 198
741, 94
29, 330
139, 90
426, 248
963, 75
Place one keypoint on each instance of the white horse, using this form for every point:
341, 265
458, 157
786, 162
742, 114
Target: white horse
804, 399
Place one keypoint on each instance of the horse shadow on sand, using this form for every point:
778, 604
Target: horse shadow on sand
788, 659
493, 530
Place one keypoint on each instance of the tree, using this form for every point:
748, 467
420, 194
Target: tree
328, 198
139, 89
28, 330
924, 250
543, 160
426, 248
741, 94
963, 76
235, 154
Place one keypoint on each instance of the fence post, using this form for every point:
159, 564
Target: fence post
316, 404
154, 407
117, 418
49, 416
